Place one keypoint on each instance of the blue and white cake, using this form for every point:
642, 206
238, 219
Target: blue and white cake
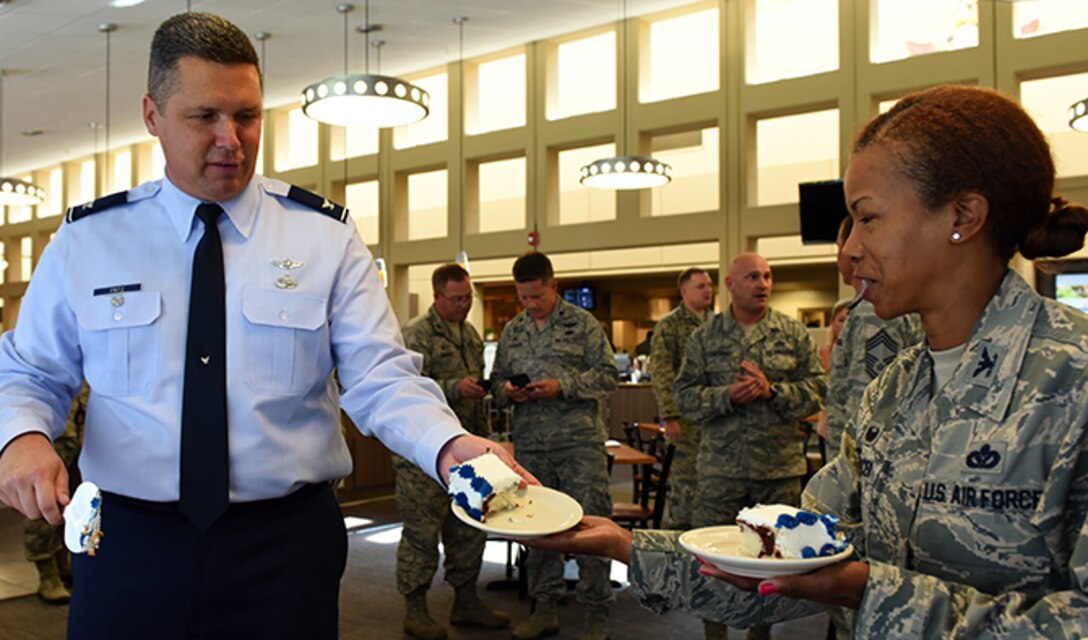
83, 519
782, 531
483, 486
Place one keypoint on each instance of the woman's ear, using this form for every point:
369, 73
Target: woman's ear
972, 210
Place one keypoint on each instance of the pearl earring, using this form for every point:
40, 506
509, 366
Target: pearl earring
956, 236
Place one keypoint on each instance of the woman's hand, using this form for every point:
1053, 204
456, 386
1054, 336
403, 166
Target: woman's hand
594, 536
841, 584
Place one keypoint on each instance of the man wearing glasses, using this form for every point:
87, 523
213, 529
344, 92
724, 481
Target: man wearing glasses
453, 355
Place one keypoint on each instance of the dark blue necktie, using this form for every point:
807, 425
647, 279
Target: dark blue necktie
205, 484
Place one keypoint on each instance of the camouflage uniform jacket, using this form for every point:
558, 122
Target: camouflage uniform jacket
445, 361
968, 506
671, 333
760, 440
572, 348
865, 347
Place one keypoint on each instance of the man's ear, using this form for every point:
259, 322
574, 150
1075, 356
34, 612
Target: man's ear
151, 115
971, 210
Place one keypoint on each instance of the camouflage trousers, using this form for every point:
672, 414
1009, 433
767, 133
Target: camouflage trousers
425, 508
719, 500
683, 476
42, 540
582, 473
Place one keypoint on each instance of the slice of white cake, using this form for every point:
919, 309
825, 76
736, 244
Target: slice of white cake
782, 531
83, 519
483, 486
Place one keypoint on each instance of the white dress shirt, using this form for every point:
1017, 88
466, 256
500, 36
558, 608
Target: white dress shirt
109, 301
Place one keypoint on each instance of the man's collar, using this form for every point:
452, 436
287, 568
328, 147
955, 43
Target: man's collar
240, 210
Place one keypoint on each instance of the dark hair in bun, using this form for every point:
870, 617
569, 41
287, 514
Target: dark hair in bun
952, 139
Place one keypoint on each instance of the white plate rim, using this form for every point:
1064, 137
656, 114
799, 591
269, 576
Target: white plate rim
756, 567
535, 492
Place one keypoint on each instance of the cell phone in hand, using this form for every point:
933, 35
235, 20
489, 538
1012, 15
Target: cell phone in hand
485, 384
519, 379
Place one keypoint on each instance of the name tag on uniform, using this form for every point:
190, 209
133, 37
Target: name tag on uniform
117, 288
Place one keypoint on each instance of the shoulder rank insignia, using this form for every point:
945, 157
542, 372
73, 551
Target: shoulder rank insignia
317, 203
95, 206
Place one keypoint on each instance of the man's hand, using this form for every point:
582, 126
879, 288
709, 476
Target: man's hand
672, 429
544, 389
841, 584
470, 389
467, 447
753, 372
33, 478
751, 385
592, 536
516, 394
744, 391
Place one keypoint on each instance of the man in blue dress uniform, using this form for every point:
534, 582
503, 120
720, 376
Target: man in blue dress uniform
207, 311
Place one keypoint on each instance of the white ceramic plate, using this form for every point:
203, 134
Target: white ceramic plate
540, 512
720, 545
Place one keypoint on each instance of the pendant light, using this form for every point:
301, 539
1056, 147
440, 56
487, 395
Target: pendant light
14, 192
462, 256
364, 100
1078, 116
625, 171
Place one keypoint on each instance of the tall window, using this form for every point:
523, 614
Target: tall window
502, 195
582, 77
26, 258
694, 156
87, 188
1032, 19
681, 57
906, 29
499, 100
121, 180
362, 201
158, 162
433, 128
54, 192
578, 203
296, 136
792, 38
352, 142
794, 149
428, 197
1048, 101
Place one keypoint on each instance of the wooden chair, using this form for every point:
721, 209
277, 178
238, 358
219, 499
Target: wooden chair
633, 434
648, 511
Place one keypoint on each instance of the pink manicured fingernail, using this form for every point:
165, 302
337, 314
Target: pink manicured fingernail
768, 589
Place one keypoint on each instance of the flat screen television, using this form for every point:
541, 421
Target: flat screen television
1064, 280
823, 206
584, 296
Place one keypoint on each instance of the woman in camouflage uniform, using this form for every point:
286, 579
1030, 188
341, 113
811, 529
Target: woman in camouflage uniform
964, 476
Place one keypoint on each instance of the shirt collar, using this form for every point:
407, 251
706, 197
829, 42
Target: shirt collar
989, 368
240, 210
440, 324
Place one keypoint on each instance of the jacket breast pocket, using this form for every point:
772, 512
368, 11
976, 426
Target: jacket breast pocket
120, 338
284, 341
570, 354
